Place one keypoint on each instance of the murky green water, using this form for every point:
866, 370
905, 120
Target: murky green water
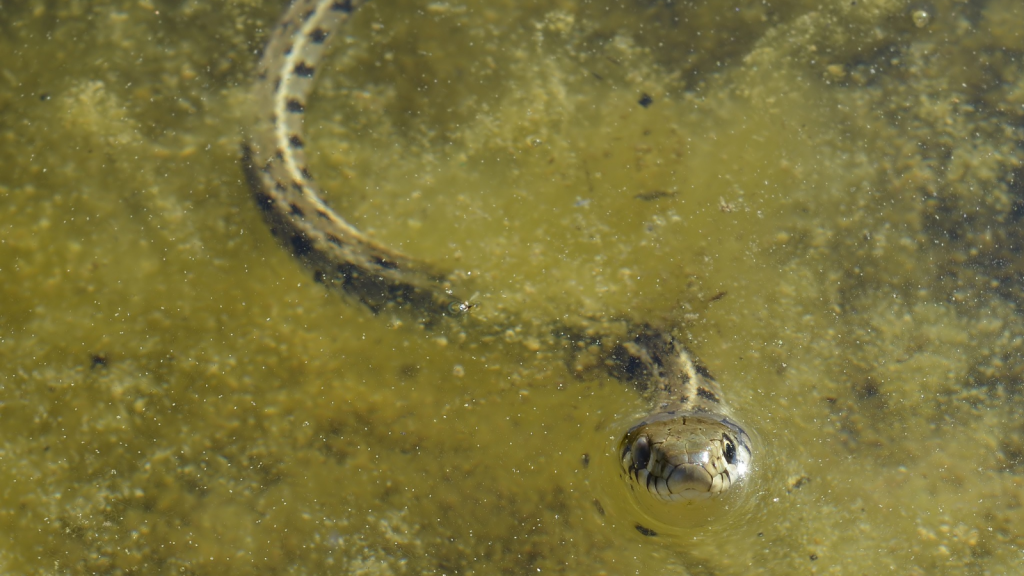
826, 198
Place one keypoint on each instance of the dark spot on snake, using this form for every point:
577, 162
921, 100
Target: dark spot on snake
279, 154
293, 105
297, 186
814, 557
100, 359
323, 214
385, 264
702, 370
585, 459
44, 97
645, 100
296, 142
319, 277
304, 70
645, 530
296, 211
730, 450
264, 201
598, 507
641, 453
279, 188
342, 6
277, 86
288, 50
626, 360
301, 245
685, 377
335, 240
305, 172
318, 35
707, 394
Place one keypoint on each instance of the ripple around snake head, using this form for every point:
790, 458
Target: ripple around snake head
685, 456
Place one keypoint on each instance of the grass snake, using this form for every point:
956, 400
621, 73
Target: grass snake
686, 448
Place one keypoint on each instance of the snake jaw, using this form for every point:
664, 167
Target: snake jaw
685, 456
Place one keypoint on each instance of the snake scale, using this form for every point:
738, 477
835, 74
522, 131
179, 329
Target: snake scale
686, 448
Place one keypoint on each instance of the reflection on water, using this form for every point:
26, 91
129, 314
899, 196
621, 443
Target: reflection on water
826, 201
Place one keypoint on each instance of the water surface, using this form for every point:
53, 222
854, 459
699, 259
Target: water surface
825, 200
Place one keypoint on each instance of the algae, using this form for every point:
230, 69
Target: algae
824, 197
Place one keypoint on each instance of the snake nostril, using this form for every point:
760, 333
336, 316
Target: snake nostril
641, 452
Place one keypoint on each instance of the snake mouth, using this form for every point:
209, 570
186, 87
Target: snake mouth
685, 456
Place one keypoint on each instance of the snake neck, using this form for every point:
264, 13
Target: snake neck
657, 364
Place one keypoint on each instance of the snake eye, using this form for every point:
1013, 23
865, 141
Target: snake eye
730, 451
641, 453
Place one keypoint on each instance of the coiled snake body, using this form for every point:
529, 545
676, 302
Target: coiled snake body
687, 448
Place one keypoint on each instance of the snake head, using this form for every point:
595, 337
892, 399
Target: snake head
685, 456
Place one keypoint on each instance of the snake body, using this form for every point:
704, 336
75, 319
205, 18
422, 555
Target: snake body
686, 448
